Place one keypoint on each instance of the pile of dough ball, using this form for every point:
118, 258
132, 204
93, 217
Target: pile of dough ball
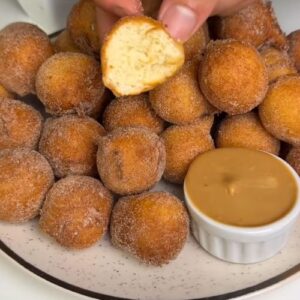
88, 166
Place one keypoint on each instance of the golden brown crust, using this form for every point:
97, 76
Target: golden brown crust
152, 226
70, 83
110, 36
278, 63
293, 158
64, 43
277, 37
233, 76
151, 8
20, 125
130, 160
132, 111
183, 144
195, 46
82, 26
4, 93
23, 47
280, 110
294, 48
25, 178
70, 144
255, 24
76, 211
179, 100
246, 131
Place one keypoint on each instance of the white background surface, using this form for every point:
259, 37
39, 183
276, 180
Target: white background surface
50, 15
18, 284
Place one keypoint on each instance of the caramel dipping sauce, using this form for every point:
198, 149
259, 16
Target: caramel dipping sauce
241, 187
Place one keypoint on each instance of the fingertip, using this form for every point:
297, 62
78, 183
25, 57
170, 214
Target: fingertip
183, 18
180, 21
105, 22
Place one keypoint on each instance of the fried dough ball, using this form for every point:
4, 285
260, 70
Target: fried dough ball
20, 125
76, 211
151, 226
70, 83
280, 111
278, 63
70, 144
130, 160
132, 111
83, 28
151, 8
180, 100
246, 131
183, 144
197, 43
25, 178
4, 93
138, 55
255, 24
294, 48
23, 47
64, 43
233, 76
293, 158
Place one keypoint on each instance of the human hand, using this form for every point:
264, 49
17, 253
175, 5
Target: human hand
181, 17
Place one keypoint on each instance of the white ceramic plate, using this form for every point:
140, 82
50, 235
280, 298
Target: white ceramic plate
103, 272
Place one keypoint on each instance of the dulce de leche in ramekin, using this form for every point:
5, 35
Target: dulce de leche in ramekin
242, 203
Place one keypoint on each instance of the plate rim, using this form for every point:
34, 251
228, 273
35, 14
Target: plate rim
260, 287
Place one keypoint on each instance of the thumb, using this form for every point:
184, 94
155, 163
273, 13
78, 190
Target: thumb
184, 17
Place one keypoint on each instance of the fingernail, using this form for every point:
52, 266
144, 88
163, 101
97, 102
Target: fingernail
135, 8
180, 21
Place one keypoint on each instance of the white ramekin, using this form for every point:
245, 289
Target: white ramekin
243, 244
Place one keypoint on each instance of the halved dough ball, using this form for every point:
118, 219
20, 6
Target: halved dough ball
278, 63
20, 125
132, 111
183, 144
130, 160
195, 46
152, 226
246, 131
294, 48
76, 211
83, 28
25, 178
64, 43
70, 144
23, 47
70, 83
138, 55
233, 76
180, 100
293, 158
255, 24
280, 111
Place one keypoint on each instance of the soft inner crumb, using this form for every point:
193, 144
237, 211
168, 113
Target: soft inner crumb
139, 56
